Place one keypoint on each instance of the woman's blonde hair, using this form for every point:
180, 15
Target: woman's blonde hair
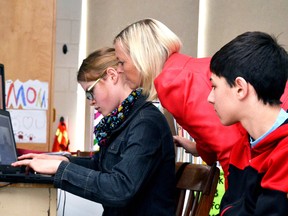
96, 64
149, 43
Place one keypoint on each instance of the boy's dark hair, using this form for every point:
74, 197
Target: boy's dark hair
259, 59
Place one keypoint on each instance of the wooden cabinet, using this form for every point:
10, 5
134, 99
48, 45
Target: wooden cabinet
27, 44
28, 199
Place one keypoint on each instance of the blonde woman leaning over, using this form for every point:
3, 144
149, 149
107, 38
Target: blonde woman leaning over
148, 53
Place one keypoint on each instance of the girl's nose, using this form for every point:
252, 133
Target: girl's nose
92, 102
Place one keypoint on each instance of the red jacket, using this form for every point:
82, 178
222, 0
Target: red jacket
183, 87
258, 177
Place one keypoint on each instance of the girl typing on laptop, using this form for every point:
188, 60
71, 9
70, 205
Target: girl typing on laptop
136, 162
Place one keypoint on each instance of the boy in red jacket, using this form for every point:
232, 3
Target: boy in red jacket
249, 75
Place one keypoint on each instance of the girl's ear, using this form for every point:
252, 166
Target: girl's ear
242, 88
112, 74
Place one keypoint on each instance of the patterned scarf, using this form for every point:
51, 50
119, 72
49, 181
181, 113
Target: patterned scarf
114, 119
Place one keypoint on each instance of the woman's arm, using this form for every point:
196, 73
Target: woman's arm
187, 144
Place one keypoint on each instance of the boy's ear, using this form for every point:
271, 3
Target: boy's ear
241, 87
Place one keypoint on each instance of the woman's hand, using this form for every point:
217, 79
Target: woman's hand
187, 144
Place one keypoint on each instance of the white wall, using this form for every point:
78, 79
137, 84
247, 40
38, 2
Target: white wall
67, 93
225, 19
107, 18
67, 96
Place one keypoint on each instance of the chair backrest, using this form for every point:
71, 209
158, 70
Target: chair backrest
79, 153
84, 153
196, 188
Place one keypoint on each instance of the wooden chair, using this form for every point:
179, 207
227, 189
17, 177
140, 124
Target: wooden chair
200, 181
79, 153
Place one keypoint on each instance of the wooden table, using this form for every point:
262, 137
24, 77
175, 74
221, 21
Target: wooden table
26, 199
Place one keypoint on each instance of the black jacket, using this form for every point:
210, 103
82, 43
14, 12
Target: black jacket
135, 174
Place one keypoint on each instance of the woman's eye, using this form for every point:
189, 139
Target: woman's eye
121, 63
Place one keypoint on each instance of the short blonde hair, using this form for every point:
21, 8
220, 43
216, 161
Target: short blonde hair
149, 43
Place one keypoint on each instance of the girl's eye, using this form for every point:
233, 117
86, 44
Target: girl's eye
121, 63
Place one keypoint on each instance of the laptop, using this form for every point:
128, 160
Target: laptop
8, 155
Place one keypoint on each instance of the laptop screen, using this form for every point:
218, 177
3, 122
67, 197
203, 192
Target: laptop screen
8, 153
